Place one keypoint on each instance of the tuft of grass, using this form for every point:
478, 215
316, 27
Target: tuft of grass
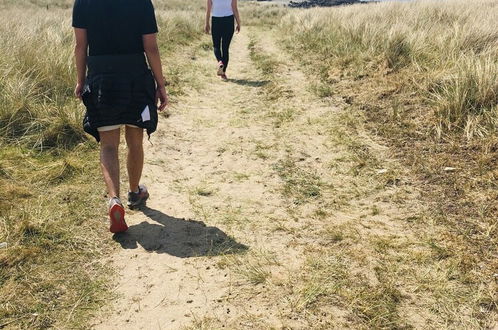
203, 323
468, 100
397, 51
322, 90
300, 184
254, 266
377, 307
282, 116
240, 177
261, 150
203, 191
264, 62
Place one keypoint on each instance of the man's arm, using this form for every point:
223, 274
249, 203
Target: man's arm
235, 10
80, 54
153, 57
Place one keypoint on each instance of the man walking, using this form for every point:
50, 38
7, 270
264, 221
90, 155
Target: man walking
115, 46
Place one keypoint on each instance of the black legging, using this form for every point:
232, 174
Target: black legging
222, 29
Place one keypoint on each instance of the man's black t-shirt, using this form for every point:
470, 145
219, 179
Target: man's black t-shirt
115, 27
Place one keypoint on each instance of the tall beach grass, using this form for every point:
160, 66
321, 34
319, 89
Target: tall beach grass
422, 76
445, 50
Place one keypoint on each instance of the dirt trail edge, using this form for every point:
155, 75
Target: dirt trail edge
266, 211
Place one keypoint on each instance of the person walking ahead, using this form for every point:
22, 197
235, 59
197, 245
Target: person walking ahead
118, 88
222, 14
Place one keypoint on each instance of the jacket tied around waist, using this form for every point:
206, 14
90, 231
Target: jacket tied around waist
119, 90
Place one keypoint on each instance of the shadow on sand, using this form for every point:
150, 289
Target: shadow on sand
250, 83
178, 237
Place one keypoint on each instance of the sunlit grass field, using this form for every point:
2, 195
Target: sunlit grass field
422, 76
444, 51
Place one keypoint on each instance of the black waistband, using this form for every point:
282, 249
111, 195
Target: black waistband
116, 63
222, 17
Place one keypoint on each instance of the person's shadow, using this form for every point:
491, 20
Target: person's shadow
250, 83
178, 237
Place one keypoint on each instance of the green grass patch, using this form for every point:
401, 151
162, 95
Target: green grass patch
299, 184
51, 220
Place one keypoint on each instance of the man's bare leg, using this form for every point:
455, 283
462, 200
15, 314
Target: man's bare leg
135, 163
109, 160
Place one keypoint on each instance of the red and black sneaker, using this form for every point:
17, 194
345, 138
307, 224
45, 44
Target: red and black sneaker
137, 199
117, 216
220, 68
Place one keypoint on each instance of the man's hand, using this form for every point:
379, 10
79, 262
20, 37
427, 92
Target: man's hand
207, 29
237, 28
161, 96
78, 90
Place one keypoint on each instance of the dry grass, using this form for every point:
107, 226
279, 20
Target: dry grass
377, 256
349, 260
299, 185
422, 75
445, 52
253, 267
261, 14
48, 273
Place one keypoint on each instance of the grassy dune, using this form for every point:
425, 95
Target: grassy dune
445, 52
424, 77
51, 205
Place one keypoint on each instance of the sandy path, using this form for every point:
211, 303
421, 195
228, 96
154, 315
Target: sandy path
167, 264
220, 240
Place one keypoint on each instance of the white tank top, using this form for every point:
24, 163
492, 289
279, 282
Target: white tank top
222, 8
